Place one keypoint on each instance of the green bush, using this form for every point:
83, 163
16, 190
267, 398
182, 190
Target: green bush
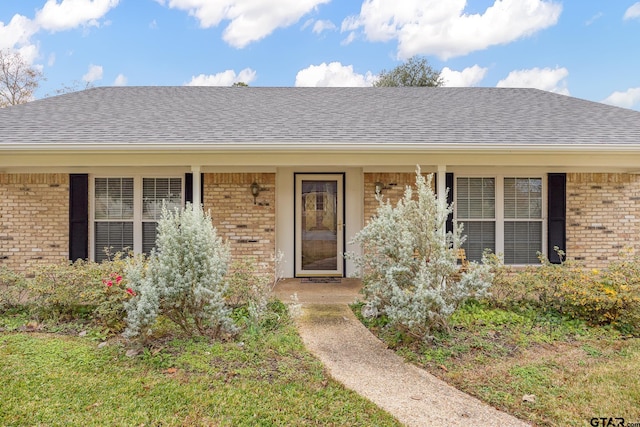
610, 296
83, 290
13, 289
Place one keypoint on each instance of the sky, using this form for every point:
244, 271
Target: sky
589, 49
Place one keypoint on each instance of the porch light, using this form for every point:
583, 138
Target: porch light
379, 187
255, 191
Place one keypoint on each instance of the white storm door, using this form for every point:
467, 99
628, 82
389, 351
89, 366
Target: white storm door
319, 224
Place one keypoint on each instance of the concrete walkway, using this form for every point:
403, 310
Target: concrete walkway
357, 359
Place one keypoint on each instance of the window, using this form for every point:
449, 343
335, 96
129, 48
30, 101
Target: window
523, 220
502, 214
476, 207
113, 215
155, 192
126, 211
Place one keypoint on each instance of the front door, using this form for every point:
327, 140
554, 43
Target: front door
319, 224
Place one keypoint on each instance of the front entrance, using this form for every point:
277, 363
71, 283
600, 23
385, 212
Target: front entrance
319, 225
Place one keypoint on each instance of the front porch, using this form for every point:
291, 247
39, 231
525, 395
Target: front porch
320, 291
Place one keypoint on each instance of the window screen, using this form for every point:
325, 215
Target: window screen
476, 209
523, 220
113, 216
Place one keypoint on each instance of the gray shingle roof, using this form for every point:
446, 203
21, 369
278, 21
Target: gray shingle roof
217, 115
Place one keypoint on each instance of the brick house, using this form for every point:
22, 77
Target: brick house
297, 169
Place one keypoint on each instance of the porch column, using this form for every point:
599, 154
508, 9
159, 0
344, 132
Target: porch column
442, 183
197, 190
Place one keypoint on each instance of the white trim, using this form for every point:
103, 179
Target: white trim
340, 226
196, 190
307, 147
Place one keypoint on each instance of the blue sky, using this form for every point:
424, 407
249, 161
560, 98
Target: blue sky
583, 48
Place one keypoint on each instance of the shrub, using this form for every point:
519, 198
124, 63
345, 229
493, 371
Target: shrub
610, 296
80, 291
183, 278
409, 264
13, 289
250, 290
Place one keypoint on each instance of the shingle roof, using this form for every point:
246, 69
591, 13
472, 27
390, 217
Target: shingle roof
253, 115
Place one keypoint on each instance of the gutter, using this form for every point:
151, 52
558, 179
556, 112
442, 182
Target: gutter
169, 148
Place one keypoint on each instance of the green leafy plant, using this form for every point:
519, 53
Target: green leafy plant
13, 289
608, 296
91, 292
250, 293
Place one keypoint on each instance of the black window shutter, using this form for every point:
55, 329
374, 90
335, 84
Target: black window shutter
188, 187
449, 184
557, 215
78, 216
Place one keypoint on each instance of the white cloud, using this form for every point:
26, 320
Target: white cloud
54, 16
51, 60
225, 78
552, 80
627, 99
470, 76
17, 32
250, 20
121, 80
633, 11
323, 25
70, 14
94, 73
594, 18
351, 37
334, 74
442, 28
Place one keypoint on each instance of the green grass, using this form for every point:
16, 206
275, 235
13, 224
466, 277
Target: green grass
575, 371
263, 379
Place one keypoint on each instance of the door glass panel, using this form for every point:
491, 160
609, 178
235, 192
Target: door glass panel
319, 223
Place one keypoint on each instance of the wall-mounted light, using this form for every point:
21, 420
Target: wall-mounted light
379, 187
255, 191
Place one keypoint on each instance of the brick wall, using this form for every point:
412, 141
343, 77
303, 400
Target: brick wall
249, 227
394, 185
34, 219
603, 216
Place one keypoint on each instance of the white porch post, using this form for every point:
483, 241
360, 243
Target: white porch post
442, 187
442, 182
197, 191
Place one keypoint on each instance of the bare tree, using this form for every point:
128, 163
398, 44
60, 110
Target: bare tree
18, 80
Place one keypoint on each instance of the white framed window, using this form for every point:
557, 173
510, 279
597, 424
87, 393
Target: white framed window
476, 208
504, 214
126, 211
522, 220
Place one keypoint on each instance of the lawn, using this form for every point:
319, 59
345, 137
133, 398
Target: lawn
265, 378
569, 372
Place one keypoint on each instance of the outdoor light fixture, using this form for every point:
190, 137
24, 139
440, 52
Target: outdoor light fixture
255, 191
379, 187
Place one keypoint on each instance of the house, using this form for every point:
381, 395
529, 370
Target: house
297, 169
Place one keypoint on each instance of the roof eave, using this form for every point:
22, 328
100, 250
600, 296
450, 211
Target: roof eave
301, 147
